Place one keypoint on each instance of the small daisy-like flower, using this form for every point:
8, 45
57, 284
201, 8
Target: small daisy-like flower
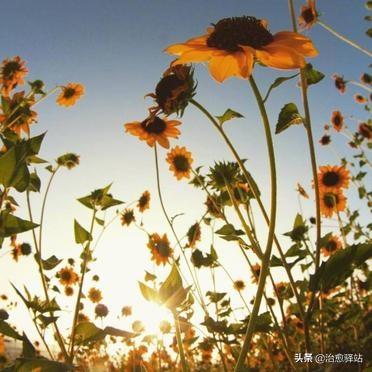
366, 79
127, 217
144, 201
70, 94
325, 140
154, 129
331, 246
302, 191
95, 295
193, 235
138, 326
359, 98
95, 278
239, 285
232, 45
337, 120
126, 311
334, 177
25, 249
256, 271
165, 327
340, 83
12, 73
308, 16
69, 291
67, 276
365, 130
160, 248
101, 311
180, 161
69, 160
332, 202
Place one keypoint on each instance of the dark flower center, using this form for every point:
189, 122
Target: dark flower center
325, 140
331, 246
154, 125
331, 179
68, 92
330, 200
337, 121
163, 248
10, 68
143, 201
181, 163
166, 87
230, 33
308, 15
66, 275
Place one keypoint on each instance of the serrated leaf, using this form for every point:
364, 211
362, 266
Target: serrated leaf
228, 115
288, 116
277, 82
81, 235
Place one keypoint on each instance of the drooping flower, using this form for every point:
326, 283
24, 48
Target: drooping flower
67, 276
95, 295
160, 248
232, 45
214, 207
193, 235
154, 129
325, 140
144, 201
180, 161
340, 83
365, 130
308, 16
332, 245
12, 73
332, 178
127, 217
366, 78
70, 94
337, 120
332, 202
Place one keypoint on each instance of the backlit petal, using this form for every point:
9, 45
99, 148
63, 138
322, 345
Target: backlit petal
280, 57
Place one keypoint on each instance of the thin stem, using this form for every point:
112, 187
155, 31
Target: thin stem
360, 85
344, 38
267, 254
185, 367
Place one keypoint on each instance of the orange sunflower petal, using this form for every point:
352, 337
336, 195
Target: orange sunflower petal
300, 43
281, 57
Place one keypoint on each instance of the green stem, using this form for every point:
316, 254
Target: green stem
185, 367
267, 254
344, 38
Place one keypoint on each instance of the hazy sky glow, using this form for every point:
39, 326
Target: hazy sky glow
115, 49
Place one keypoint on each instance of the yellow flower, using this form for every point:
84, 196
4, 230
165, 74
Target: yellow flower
12, 73
332, 202
239, 285
144, 201
180, 161
160, 248
337, 120
332, 178
67, 276
331, 246
232, 46
127, 217
70, 94
154, 129
95, 295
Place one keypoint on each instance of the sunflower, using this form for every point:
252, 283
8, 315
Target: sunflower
308, 16
67, 276
365, 130
337, 120
127, 217
214, 208
70, 94
69, 291
193, 235
332, 178
12, 73
232, 46
68, 160
366, 78
154, 129
239, 285
332, 202
160, 248
340, 83
95, 295
325, 140
101, 311
144, 201
180, 161
331, 246
126, 311
359, 98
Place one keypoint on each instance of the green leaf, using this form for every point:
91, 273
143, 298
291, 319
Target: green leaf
46, 320
148, 293
28, 350
340, 266
149, 277
215, 296
12, 225
7, 330
81, 235
51, 263
111, 331
228, 115
276, 83
229, 233
45, 365
288, 116
312, 76
99, 221
88, 332
34, 182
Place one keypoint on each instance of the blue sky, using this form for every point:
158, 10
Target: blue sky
115, 49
